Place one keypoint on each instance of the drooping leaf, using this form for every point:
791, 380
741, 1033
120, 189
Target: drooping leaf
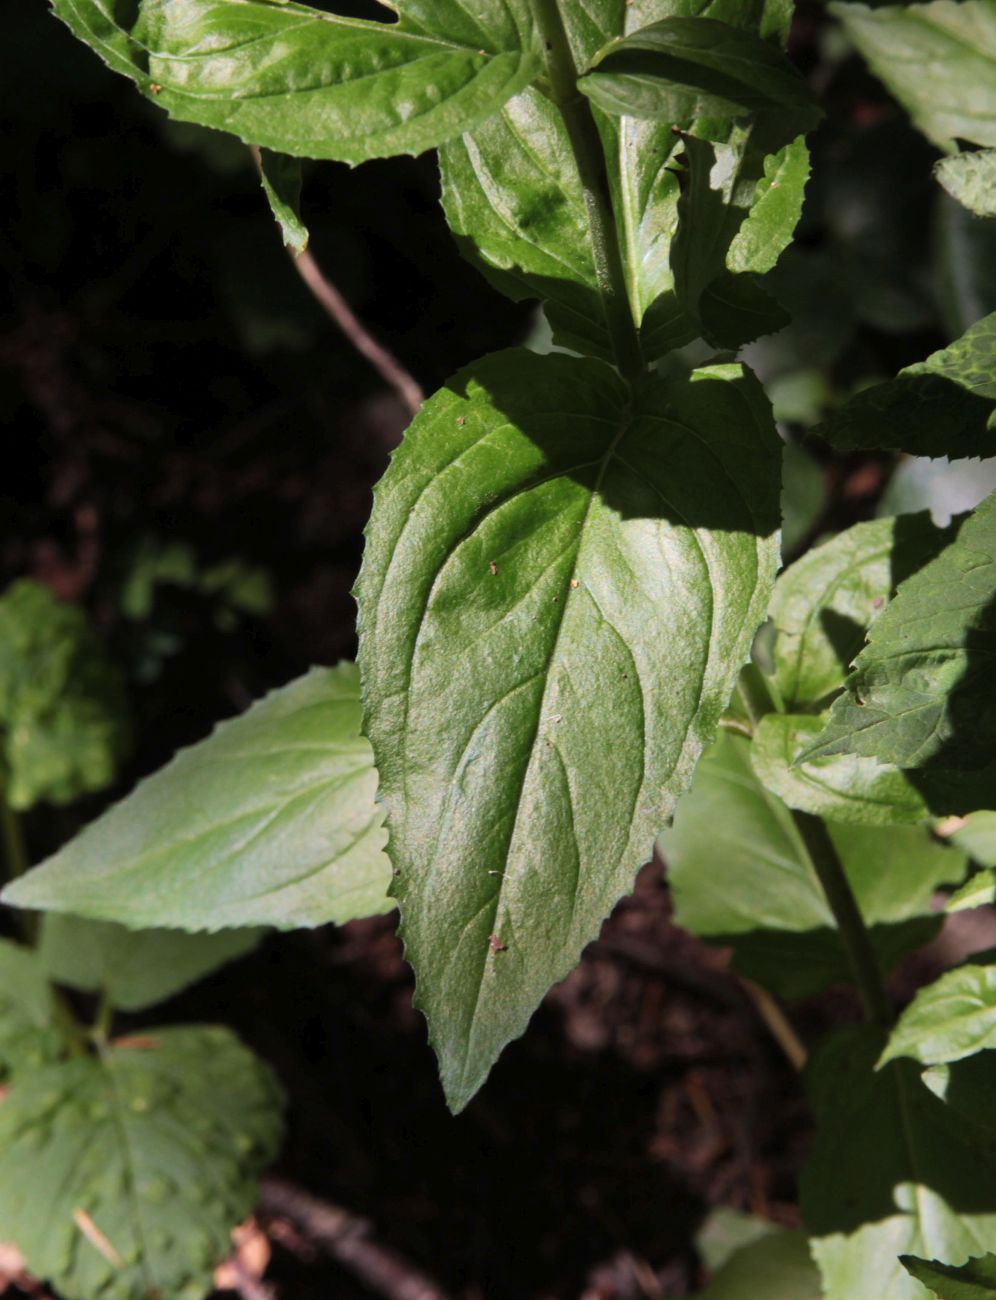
63, 720
122, 1175
978, 891
281, 177
741, 876
823, 604
682, 68
554, 566
920, 692
951, 1018
269, 821
313, 84
135, 968
895, 1170
938, 59
971, 179
28, 1033
975, 1280
843, 787
943, 406
977, 836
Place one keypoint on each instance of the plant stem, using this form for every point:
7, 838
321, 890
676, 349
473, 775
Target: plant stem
15, 854
854, 934
104, 1020
589, 157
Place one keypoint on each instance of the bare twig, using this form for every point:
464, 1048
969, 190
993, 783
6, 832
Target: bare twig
349, 1240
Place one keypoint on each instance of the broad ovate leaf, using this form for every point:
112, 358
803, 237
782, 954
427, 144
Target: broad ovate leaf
938, 59
742, 877
313, 84
269, 821
64, 726
842, 788
895, 1170
123, 1174
971, 179
944, 406
921, 689
824, 603
133, 968
975, 1280
562, 579
778, 1265
950, 1019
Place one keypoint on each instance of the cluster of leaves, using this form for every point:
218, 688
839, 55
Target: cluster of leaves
566, 566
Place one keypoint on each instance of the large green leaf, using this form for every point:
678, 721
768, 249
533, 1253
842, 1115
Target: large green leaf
938, 59
975, 1280
895, 1170
122, 1175
944, 406
680, 68
971, 179
269, 821
314, 84
951, 1018
843, 787
921, 690
28, 1034
63, 720
512, 194
135, 968
557, 571
741, 876
823, 604
752, 1257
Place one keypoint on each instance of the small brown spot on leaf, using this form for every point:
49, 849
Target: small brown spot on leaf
494, 569
155, 88
461, 420
574, 582
495, 944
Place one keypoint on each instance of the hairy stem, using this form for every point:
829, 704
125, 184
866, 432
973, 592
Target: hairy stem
590, 159
854, 934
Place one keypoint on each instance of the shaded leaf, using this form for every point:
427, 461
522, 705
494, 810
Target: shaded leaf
777, 1265
135, 968
938, 59
283, 831
943, 406
951, 1018
62, 705
843, 787
313, 84
28, 1034
529, 587
975, 1280
123, 1175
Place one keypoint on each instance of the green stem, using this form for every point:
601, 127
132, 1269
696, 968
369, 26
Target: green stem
15, 854
586, 144
104, 1021
854, 934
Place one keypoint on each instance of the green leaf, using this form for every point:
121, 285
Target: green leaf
313, 84
978, 891
938, 59
951, 1018
135, 968
155, 1145
843, 787
943, 406
725, 1232
971, 179
920, 692
62, 705
281, 177
28, 1034
778, 1265
681, 68
975, 1280
512, 195
894, 1170
532, 592
283, 831
741, 876
977, 836
823, 604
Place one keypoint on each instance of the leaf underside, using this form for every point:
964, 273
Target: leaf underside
558, 589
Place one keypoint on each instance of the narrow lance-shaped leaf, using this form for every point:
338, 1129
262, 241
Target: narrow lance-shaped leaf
122, 1175
281, 177
555, 572
314, 84
269, 821
921, 690
944, 406
975, 1280
938, 59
